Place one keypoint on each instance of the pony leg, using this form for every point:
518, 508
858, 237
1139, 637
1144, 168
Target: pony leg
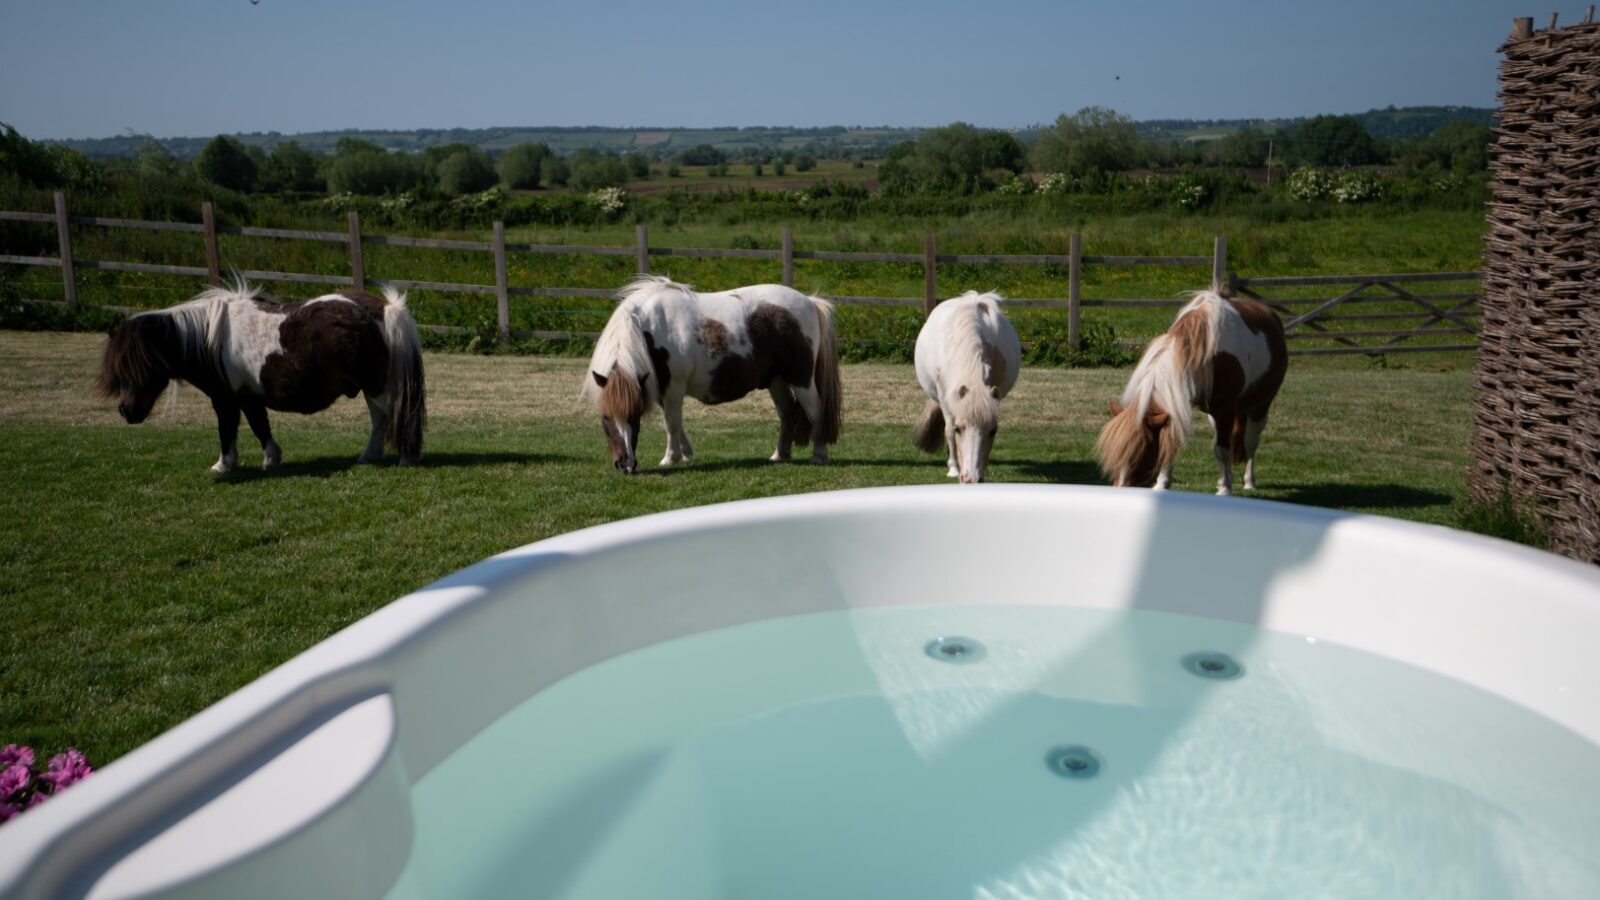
788, 408
678, 449
1223, 449
953, 457
227, 410
378, 408
256, 414
811, 404
1252, 439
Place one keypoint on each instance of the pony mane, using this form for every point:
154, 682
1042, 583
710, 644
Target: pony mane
200, 323
1175, 369
964, 355
621, 346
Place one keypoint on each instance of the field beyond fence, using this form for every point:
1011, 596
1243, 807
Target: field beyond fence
1369, 314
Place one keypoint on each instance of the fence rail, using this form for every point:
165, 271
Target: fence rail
1454, 319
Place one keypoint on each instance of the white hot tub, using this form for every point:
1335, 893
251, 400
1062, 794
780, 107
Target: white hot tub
994, 692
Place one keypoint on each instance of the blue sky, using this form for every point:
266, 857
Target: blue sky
95, 68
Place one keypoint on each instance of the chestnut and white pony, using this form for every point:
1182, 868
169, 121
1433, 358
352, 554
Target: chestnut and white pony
1226, 356
250, 354
666, 342
967, 359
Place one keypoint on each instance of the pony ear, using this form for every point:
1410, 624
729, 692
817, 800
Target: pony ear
962, 392
1157, 419
995, 392
1116, 410
599, 380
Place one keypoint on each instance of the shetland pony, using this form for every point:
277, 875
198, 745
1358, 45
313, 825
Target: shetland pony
250, 354
665, 342
1226, 356
967, 360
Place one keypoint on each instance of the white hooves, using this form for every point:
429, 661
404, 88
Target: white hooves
952, 472
271, 459
222, 467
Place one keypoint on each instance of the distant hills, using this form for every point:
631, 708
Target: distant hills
834, 141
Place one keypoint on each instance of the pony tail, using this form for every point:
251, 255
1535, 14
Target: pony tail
826, 374
406, 387
929, 436
1121, 442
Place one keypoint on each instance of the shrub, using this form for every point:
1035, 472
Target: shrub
467, 172
521, 166
554, 171
290, 168
371, 174
224, 162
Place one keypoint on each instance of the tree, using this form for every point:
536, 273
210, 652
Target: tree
702, 155
1332, 141
520, 166
638, 165
224, 162
467, 172
805, 162
375, 172
1462, 147
949, 160
349, 146
290, 168
592, 170
553, 171
1090, 141
1241, 149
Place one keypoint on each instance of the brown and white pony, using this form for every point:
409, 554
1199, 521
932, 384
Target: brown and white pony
250, 354
967, 360
666, 342
1226, 356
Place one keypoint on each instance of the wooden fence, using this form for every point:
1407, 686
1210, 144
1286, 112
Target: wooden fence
1412, 314
1313, 323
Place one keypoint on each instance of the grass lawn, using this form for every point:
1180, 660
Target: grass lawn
139, 588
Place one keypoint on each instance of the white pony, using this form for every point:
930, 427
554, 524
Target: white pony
967, 360
1224, 355
665, 342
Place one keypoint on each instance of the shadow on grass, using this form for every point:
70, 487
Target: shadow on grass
754, 462
326, 466
1362, 496
1056, 471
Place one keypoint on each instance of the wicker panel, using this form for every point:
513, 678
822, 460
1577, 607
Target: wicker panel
1538, 376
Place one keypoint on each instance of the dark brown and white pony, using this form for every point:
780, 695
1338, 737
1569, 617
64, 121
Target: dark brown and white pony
1226, 356
666, 342
250, 354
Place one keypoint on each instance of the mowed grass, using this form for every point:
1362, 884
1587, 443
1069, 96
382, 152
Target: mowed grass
139, 588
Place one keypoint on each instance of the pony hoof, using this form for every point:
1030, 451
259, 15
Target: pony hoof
271, 462
1224, 492
221, 468
953, 472
410, 461
778, 457
821, 460
365, 460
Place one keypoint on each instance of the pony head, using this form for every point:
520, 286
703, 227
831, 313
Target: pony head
141, 356
975, 419
622, 400
1134, 449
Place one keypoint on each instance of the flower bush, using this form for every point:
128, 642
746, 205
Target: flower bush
1356, 187
1310, 183
1016, 186
1056, 183
23, 788
1187, 193
610, 200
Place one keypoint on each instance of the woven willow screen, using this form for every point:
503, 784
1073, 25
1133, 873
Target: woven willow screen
1538, 401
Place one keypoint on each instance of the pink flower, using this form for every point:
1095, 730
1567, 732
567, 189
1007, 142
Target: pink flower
67, 769
15, 755
8, 811
12, 780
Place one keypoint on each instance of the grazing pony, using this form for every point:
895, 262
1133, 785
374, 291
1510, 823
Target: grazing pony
1223, 355
967, 359
250, 354
665, 342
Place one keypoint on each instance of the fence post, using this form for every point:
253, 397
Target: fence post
788, 256
643, 249
502, 282
1219, 263
930, 298
358, 266
1074, 292
69, 281
208, 217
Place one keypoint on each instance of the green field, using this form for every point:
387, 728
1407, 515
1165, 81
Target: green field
139, 587
1339, 242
